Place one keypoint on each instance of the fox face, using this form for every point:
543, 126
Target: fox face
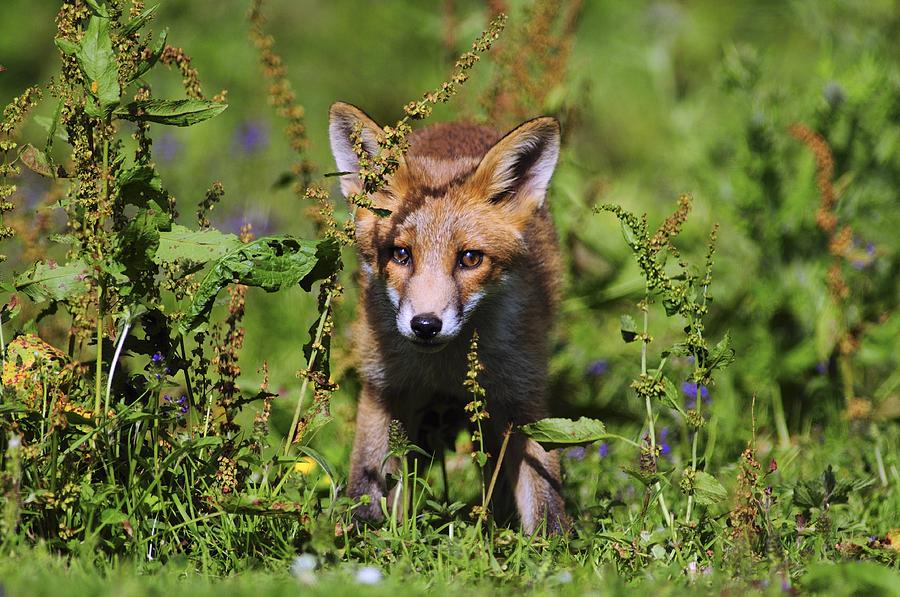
461, 203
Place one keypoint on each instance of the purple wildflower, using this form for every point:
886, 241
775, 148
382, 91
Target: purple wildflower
252, 136
664, 447
157, 358
180, 405
603, 450
822, 367
597, 368
576, 453
689, 389
167, 147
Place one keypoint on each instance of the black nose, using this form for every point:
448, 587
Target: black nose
426, 326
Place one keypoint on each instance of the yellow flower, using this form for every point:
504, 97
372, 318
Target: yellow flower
305, 465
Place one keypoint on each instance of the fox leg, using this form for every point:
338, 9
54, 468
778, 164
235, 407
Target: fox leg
532, 474
368, 469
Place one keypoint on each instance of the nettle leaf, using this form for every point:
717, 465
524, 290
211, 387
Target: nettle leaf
98, 63
49, 281
707, 489
561, 433
171, 112
628, 328
36, 160
195, 247
140, 184
271, 263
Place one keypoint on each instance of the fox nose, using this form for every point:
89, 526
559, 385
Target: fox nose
426, 326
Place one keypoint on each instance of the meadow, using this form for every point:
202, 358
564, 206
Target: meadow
178, 287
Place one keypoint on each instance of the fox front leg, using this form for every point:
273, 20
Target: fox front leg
368, 465
532, 475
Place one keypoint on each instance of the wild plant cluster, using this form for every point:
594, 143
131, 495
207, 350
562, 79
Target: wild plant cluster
125, 429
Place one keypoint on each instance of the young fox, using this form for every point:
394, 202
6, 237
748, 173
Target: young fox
469, 245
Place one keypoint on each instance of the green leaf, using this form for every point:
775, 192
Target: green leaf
139, 241
628, 328
96, 8
155, 52
671, 395
560, 433
171, 112
49, 281
194, 246
707, 489
113, 516
271, 263
722, 355
66, 46
98, 63
140, 184
36, 160
629, 234
139, 21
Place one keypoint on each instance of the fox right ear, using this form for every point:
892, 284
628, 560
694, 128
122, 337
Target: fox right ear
342, 118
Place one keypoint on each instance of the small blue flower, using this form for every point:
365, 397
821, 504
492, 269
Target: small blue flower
664, 447
157, 358
822, 367
603, 450
597, 368
252, 136
576, 453
689, 389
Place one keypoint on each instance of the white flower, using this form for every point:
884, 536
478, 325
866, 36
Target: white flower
14, 442
368, 576
305, 562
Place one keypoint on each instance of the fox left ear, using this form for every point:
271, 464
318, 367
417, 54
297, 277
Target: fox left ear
343, 118
520, 165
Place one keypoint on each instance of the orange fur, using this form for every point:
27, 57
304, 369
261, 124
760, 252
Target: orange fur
461, 187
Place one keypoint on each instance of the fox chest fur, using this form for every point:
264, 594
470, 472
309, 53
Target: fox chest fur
468, 246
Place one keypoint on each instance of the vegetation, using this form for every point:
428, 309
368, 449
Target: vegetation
178, 379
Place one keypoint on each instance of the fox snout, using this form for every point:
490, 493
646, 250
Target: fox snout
426, 326
428, 309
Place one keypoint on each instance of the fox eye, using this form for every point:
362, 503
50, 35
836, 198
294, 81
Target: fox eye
400, 255
470, 259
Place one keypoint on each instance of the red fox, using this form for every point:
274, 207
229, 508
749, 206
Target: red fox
469, 245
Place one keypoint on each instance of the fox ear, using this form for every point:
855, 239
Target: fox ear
342, 118
519, 166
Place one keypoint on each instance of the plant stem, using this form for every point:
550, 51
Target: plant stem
496, 472
311, 362
662, 500
98, 375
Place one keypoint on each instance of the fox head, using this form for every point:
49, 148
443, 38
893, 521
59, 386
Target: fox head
461, 203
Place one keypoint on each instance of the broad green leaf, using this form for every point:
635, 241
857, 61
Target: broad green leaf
560, 433
722, 355
194, 246
628, 328
171, 112
36, 160
707, 489
140, 184
628, 233
139, 241
671, 395
271, 263
98, 62
49, 281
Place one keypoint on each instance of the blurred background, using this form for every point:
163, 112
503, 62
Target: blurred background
656, 98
